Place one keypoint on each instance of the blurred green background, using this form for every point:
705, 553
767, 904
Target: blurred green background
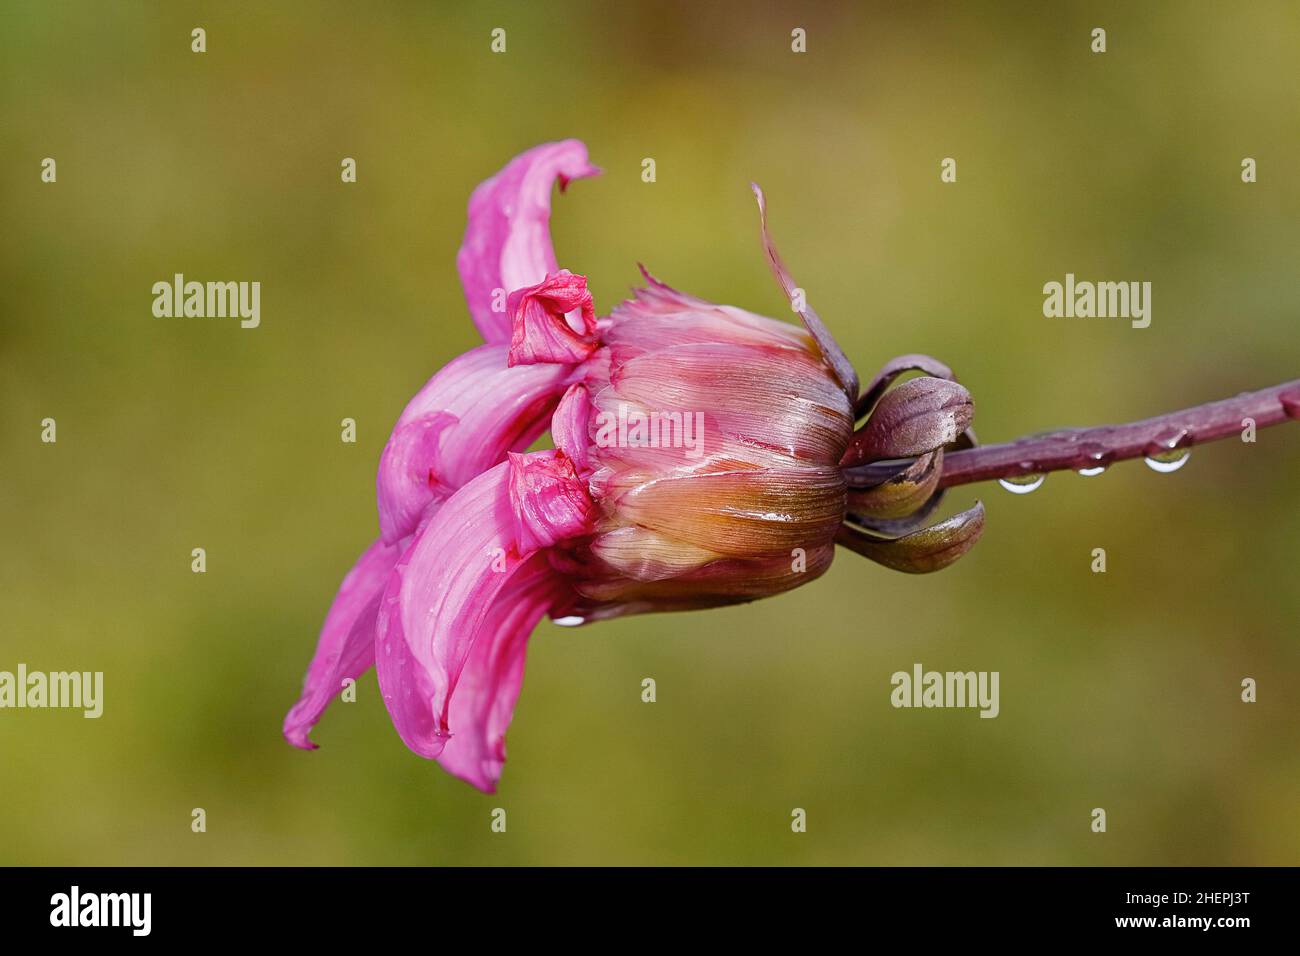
1118, 690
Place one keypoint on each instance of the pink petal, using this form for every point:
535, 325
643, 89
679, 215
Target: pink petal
550, 503
462, 422
659, 316
507, 243
571, 426
444, 586
489, 684
762, 396
347, 641
543, 330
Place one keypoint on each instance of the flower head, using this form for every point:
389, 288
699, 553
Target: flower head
704, 456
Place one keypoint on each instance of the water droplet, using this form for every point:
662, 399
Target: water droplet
1098, 457
1168, 461
1022, 484
1166, 453
572, 620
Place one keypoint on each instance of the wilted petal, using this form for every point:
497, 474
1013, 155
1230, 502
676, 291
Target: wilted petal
440, 593
507, 243
463, 421
830, 349
347, 641
930, 549
554, 321
916, 417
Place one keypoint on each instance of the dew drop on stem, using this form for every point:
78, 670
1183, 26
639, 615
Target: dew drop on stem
1022, 484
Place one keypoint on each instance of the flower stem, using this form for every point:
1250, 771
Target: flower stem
1080, 448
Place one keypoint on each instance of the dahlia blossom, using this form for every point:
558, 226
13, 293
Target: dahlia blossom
703, 456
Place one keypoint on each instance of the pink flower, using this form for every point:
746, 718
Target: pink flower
704, 456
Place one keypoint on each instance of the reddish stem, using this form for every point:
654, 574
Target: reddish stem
1080, 448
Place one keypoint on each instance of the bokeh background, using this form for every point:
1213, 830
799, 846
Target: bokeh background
1118, 690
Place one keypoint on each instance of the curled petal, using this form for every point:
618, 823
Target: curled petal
489, 684
919, 416
463, 421
554, 321
346, 648
830, 349
930, 549
571, 426
507, 243
902, 494
440, 593
550, 503
434, 601
409, 476
894, 368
